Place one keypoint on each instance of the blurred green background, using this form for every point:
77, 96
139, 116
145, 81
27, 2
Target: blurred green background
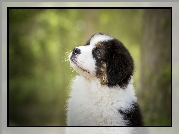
39, 43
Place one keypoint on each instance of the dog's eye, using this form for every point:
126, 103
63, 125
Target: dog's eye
98, 53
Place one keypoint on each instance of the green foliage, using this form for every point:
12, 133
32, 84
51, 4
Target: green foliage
39, 44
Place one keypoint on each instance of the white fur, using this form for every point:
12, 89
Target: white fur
93, 104
85, 61
97, 38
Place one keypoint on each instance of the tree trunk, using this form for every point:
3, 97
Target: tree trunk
155, 78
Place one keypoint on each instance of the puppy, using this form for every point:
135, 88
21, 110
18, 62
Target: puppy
102, 93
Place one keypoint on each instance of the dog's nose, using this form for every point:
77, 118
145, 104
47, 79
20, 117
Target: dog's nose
76, 51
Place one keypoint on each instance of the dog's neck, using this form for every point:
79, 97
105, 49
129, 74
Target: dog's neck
95, 87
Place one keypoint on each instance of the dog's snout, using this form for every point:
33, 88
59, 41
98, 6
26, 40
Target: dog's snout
76, 51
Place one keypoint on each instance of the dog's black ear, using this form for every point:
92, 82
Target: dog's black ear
120, 65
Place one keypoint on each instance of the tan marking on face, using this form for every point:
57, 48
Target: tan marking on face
98, 45
103, 76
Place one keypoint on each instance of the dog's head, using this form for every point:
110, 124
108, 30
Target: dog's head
103, 57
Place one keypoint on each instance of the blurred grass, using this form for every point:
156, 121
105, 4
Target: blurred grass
39, 43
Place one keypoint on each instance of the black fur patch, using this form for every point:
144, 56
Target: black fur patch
133, 117
119, 63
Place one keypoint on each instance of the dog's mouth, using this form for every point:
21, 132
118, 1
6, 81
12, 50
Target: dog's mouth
73, 59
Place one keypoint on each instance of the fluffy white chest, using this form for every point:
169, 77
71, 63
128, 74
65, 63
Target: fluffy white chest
91, 104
